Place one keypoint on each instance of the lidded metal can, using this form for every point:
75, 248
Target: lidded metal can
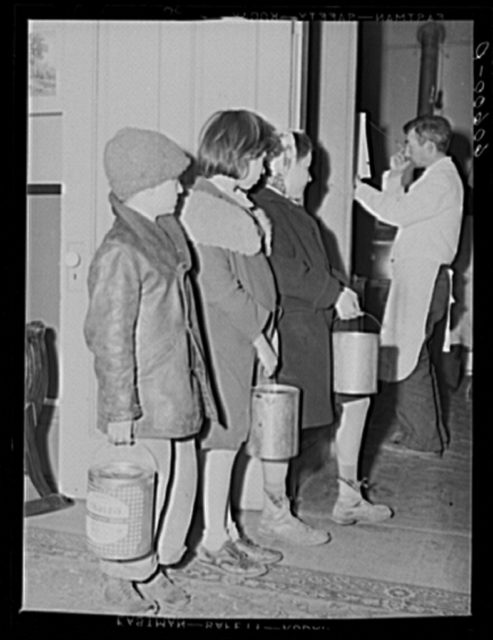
274, 417
120, 502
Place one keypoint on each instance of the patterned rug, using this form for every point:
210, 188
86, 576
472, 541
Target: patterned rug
62, 561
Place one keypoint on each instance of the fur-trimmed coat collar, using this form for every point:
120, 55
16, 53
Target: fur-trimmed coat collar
212, 217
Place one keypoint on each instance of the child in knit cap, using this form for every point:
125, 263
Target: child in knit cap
142, 328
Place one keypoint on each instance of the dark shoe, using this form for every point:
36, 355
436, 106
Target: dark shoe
162, 589
398, 447
257, 553
231, 560
126, 596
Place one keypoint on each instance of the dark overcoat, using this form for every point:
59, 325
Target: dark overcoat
308, 290
142, 327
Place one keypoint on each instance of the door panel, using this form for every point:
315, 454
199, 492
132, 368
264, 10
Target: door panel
43, 257
78, 76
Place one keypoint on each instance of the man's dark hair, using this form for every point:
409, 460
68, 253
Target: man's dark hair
433, 128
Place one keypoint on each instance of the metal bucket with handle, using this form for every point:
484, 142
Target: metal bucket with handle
355, 359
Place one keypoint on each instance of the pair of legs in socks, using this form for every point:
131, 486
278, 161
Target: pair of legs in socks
141, 585
350, 507
224, 545
277, 521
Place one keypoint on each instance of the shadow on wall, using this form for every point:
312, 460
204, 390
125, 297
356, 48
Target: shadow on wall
321, 169
369, 90
460, 150
191, 173
187, 180
316, 192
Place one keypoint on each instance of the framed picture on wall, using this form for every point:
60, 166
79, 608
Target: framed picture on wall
44, 68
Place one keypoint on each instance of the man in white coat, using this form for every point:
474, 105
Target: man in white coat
428, 220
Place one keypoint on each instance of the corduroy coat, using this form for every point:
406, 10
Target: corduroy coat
308, 291
239, 301
143, 330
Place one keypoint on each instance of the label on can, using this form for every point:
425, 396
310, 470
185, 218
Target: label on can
106, 506
100, 532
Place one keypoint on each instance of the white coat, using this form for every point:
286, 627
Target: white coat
428, 218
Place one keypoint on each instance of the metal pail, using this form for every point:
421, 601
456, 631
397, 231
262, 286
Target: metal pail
120, 510
274, 433
355, 357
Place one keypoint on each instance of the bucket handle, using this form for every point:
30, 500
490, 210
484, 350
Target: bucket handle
365, 313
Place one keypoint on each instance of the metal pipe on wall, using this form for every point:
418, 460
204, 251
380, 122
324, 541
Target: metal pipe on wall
430, 35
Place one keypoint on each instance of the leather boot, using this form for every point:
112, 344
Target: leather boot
351, 507
278, 522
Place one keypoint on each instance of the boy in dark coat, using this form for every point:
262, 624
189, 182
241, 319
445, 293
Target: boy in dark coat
142, 328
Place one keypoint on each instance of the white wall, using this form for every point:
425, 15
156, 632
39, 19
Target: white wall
336, 113
45, 149
172, 76
401, 56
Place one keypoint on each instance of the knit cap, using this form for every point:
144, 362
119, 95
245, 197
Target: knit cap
137, 159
